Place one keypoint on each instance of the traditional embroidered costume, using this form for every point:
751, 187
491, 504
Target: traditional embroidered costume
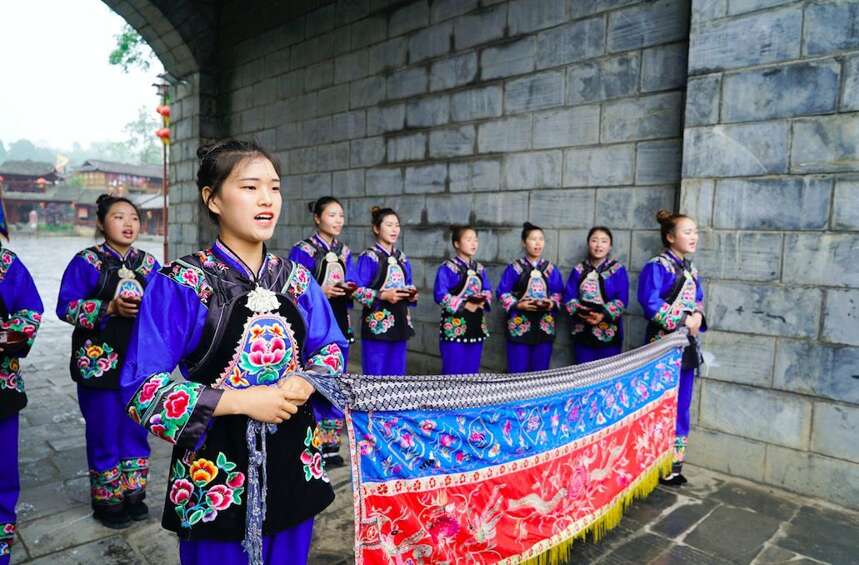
603, 289
117, 450
233, 478
20, 311
530, 334
385, 327
331, 265
461, 332
669, 290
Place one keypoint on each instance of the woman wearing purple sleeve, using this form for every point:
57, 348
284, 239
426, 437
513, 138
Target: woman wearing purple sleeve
100, 295
330, 262
383, 279
20, 316
672, 297
464, 293
596, 295
246, 477
530, 293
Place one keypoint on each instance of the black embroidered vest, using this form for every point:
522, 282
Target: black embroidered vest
465, 326
241, 347
592, 295
531, 327
331, 270
385, 321
97, 353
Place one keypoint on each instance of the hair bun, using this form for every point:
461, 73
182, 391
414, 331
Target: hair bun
375, 210
528, 226
101, 198
663, 216
204, 150
311, 205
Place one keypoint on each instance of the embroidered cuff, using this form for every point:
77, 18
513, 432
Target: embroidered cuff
556, 299
26, 322
366, 296
487, 294
451, 303
613, 309
326, 361
572, 306
85, 313
668, 317
176, 412
507, 301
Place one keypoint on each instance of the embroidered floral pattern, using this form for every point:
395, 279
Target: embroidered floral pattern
194, 496
210, 261
146, 265
84, 313
604, 331
547, 324
24, 321
306, 247
327, 361
106, 486
614, 309
311, 459
164, 406
7, 537
670, 316
94, 360
135, 473
507, 301
192, 277
7, 257
266, 353
92, 258
452, 303
572, 306
10, 377
518, 325
380, 321
366, 296
327, 435
298, 281
453, 327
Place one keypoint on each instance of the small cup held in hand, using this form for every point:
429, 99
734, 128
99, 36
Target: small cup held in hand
348, 287
11, 340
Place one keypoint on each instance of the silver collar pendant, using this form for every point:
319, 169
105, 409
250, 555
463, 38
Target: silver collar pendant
262, 300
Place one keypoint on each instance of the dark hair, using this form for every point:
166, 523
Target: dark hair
217, 161
595, 229
320, 204
667, 223
103, 205
527, 228
457, 231
378, 215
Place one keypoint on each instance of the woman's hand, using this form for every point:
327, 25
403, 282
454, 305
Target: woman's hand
473, 306
267, 404
297, 389
394, 295
693, 322
527, 304
123, 307
333, 291
594, 318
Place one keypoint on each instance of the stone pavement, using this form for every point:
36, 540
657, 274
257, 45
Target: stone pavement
714, 520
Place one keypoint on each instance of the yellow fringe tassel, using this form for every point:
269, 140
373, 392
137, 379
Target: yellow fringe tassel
610, 517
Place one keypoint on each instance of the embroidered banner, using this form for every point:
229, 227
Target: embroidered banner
505, 468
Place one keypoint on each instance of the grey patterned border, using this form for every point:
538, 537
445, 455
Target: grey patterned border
440, 392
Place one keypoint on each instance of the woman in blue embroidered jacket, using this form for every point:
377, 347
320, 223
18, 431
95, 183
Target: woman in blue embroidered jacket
100, 295
530, 293
384, 286
330, 262
246, 476
464, 292
596, 295
20, 316
672, 297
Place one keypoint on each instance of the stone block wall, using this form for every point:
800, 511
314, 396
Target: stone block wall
567, 114
771, 150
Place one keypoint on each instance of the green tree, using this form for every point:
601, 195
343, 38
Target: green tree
131, 50
2, 151
141, 136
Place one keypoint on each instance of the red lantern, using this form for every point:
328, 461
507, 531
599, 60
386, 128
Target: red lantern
164, 135
164, 110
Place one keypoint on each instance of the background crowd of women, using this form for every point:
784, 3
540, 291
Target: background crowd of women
234, 316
